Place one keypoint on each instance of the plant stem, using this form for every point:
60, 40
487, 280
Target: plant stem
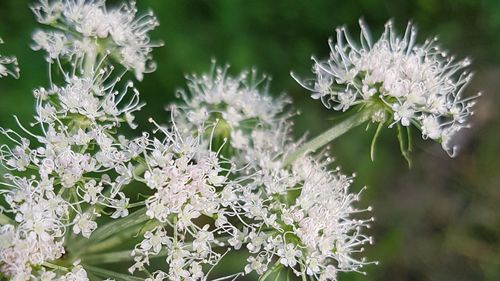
120, 256
112, 257
120, 237
276, 267
111, 228
108, 273
55, 266
5, 220
333, 133
88, 67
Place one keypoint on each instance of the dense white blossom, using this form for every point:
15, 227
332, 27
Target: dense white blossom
69, 166
40, 218
415, 84
289, 200
190, 185
89, 29
237, 109
70, 161
214, 178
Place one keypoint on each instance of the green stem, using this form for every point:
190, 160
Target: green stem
104, 273
121, 237
333, 133
374, 140
276, 267
89, 62
303, 273
55, 266
5, 220
120, 256
110, 229
112, 257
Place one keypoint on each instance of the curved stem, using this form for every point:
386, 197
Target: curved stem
108, 273
270, 271
125, 255
136, 218
88, 67
333, 133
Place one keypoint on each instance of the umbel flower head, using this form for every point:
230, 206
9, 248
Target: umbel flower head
67, 201
239, 108
70, 166
282, 208
401, 81
88, 28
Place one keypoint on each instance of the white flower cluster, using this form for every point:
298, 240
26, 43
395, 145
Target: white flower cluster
8, 65
413, 84
76, 165
283, 209
71, 167
213, 180
88, 28
311, 214
192, 198
237, 108
236, 100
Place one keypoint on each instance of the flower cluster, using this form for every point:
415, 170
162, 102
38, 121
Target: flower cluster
77, 166
217, 177
192, 199
283, 208
411, 83
88, 28
70, 166
239, 109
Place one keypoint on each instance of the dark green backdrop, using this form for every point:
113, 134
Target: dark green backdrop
439, 220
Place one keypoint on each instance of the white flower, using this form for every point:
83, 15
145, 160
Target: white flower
257, 264
92, 191
403, 113
126, 35
54, 43
289, 255
154, 240
231, 104
121, 206
78, 273
431, 127
397, 75
84, 224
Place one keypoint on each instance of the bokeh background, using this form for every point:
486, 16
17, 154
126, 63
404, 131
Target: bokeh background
439, 220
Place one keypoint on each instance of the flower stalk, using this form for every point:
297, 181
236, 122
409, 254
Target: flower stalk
326, 137
5, 219
108, 230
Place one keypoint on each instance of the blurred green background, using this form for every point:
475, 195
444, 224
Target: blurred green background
439, 220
